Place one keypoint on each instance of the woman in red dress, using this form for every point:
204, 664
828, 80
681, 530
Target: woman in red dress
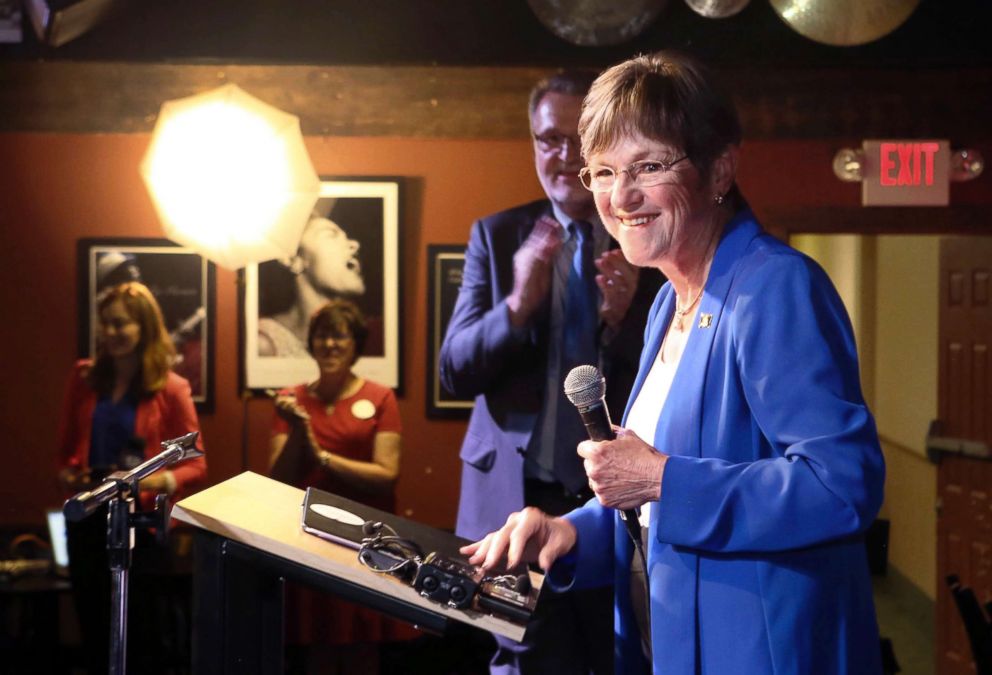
341, 434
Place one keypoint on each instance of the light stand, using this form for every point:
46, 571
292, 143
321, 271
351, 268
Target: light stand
119, 489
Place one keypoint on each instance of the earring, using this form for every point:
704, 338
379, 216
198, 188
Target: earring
718, 199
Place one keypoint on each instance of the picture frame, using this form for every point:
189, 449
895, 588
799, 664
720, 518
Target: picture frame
350, 248
182, 281
444, 278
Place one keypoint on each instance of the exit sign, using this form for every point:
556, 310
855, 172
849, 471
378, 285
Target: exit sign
906, 173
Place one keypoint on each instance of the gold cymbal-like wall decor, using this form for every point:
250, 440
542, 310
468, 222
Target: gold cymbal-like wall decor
844, 23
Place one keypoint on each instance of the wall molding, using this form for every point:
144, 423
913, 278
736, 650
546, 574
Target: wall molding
919, 455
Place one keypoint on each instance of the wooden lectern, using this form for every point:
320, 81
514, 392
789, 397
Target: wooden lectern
248, 541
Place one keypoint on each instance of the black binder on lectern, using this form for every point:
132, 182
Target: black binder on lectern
440, 573
340, 520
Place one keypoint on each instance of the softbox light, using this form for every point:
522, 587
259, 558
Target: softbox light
230, 177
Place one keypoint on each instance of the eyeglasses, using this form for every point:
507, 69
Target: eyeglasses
554, 142
645, 173
338, 338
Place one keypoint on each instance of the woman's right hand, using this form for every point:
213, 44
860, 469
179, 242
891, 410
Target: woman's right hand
625, 472
290, 409
528, 536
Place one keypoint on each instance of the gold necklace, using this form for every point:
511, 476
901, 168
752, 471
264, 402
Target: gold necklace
680, 312
328, 405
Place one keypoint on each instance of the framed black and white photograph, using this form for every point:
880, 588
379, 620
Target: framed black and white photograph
349, 249
182, 282
444, 278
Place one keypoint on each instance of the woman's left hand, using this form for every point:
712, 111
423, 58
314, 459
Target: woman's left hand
625, 472
617, 282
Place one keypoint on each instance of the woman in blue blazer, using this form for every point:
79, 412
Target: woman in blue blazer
746, 443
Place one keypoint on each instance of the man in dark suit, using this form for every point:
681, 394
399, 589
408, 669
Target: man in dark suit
544, 289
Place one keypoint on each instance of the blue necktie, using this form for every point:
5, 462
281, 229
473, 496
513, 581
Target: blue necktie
580, 302
579, 337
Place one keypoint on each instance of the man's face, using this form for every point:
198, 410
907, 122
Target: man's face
557, 156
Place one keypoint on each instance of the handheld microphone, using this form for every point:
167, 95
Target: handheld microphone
585, 388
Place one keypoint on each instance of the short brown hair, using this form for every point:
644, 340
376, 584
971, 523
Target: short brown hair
666, 96
156, 352
339, 313
571, 82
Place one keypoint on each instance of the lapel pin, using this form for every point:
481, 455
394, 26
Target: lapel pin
705, 320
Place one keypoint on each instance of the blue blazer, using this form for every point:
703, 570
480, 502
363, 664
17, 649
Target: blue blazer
755, 551
504, 370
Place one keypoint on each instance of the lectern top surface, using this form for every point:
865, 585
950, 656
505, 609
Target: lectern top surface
266, 514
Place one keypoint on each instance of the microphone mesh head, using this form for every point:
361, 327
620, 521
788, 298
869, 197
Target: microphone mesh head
584, 385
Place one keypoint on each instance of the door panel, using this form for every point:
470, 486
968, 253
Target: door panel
964, 484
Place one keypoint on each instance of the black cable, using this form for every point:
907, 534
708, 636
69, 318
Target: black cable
388, 553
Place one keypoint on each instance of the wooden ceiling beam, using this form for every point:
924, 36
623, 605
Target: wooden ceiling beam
481, 102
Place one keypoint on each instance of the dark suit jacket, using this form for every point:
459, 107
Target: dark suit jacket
482, 357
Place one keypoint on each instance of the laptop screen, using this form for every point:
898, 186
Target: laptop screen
56, 533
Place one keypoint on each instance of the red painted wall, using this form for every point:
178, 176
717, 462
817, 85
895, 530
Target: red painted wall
59, 188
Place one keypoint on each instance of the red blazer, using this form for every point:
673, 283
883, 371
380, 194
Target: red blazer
168, 414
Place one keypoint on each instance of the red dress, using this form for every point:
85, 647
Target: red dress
349, 431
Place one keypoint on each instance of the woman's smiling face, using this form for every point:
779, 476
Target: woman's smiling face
652, 223
119, 331
333, 347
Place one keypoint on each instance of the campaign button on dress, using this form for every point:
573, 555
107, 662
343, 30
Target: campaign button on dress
363, 409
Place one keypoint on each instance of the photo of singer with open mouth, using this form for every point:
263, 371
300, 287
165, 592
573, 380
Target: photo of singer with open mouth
746, 460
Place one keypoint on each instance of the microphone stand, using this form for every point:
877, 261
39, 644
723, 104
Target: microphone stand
119, 489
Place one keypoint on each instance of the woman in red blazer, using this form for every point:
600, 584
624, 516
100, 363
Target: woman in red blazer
118, 408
